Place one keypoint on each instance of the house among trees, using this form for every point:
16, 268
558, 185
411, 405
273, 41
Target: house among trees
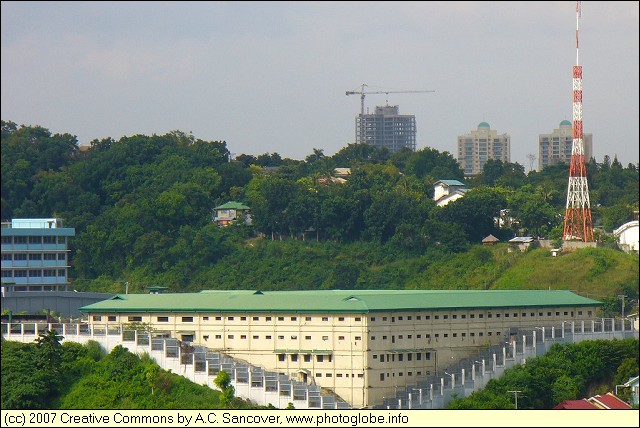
628, 237
522, 243
445, 191
226, 214
633, 384
490, 240
607, 401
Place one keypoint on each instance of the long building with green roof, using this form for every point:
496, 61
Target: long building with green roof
361, 344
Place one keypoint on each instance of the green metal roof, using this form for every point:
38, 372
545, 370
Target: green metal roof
336, 301
451, 182
483, 125
232, 205
565, 123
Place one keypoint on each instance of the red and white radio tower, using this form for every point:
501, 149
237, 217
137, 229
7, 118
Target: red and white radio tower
577, 217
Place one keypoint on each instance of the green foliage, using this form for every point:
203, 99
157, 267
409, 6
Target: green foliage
142, 207
222, 380
23, 385
566, 372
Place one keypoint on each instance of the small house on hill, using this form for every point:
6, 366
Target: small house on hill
608, 401
226, 214
490, 240
575, 405
627, 236
522, 243
445, 191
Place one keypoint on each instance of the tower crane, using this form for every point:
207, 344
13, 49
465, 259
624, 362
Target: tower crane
362, 93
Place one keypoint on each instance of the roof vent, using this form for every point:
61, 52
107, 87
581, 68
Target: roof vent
352, 299
258, 293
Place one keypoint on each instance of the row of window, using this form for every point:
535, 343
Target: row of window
400, 374
340, 319
33, 273
229, 318
280, 337
306, 358
360, 375
480, 316
391, 358
34, 239
436, 335
33, 256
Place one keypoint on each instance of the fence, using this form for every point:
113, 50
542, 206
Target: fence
196, 363
201, 365
470, 374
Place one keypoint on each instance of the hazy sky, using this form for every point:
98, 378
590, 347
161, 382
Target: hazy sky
271, 76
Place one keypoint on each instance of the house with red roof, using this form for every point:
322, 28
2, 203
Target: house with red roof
609, 401
576, 405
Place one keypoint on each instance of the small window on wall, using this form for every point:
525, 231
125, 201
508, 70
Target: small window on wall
187, 319
97, 318
163, 319
111, 318
281, 357
134, 319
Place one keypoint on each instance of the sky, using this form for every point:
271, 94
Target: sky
271, 77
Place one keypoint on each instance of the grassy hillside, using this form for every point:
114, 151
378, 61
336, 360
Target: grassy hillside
592, 272
298, 265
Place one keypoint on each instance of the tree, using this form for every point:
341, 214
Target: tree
223, 381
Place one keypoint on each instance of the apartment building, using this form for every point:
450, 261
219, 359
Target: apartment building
359, 344
35, 254
477, 147
556, 147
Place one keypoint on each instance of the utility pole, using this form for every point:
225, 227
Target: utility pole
622, 296
516, 396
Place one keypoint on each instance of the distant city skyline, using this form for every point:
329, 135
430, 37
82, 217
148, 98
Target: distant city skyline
271, 76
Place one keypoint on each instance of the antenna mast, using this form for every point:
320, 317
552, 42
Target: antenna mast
577, 218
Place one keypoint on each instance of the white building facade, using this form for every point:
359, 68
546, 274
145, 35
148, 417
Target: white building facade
628, 237
477, 147
361, 345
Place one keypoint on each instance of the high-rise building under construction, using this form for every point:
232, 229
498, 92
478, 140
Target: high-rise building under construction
387, 128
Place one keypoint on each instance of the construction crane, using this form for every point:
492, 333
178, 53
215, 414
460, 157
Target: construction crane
362, 93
